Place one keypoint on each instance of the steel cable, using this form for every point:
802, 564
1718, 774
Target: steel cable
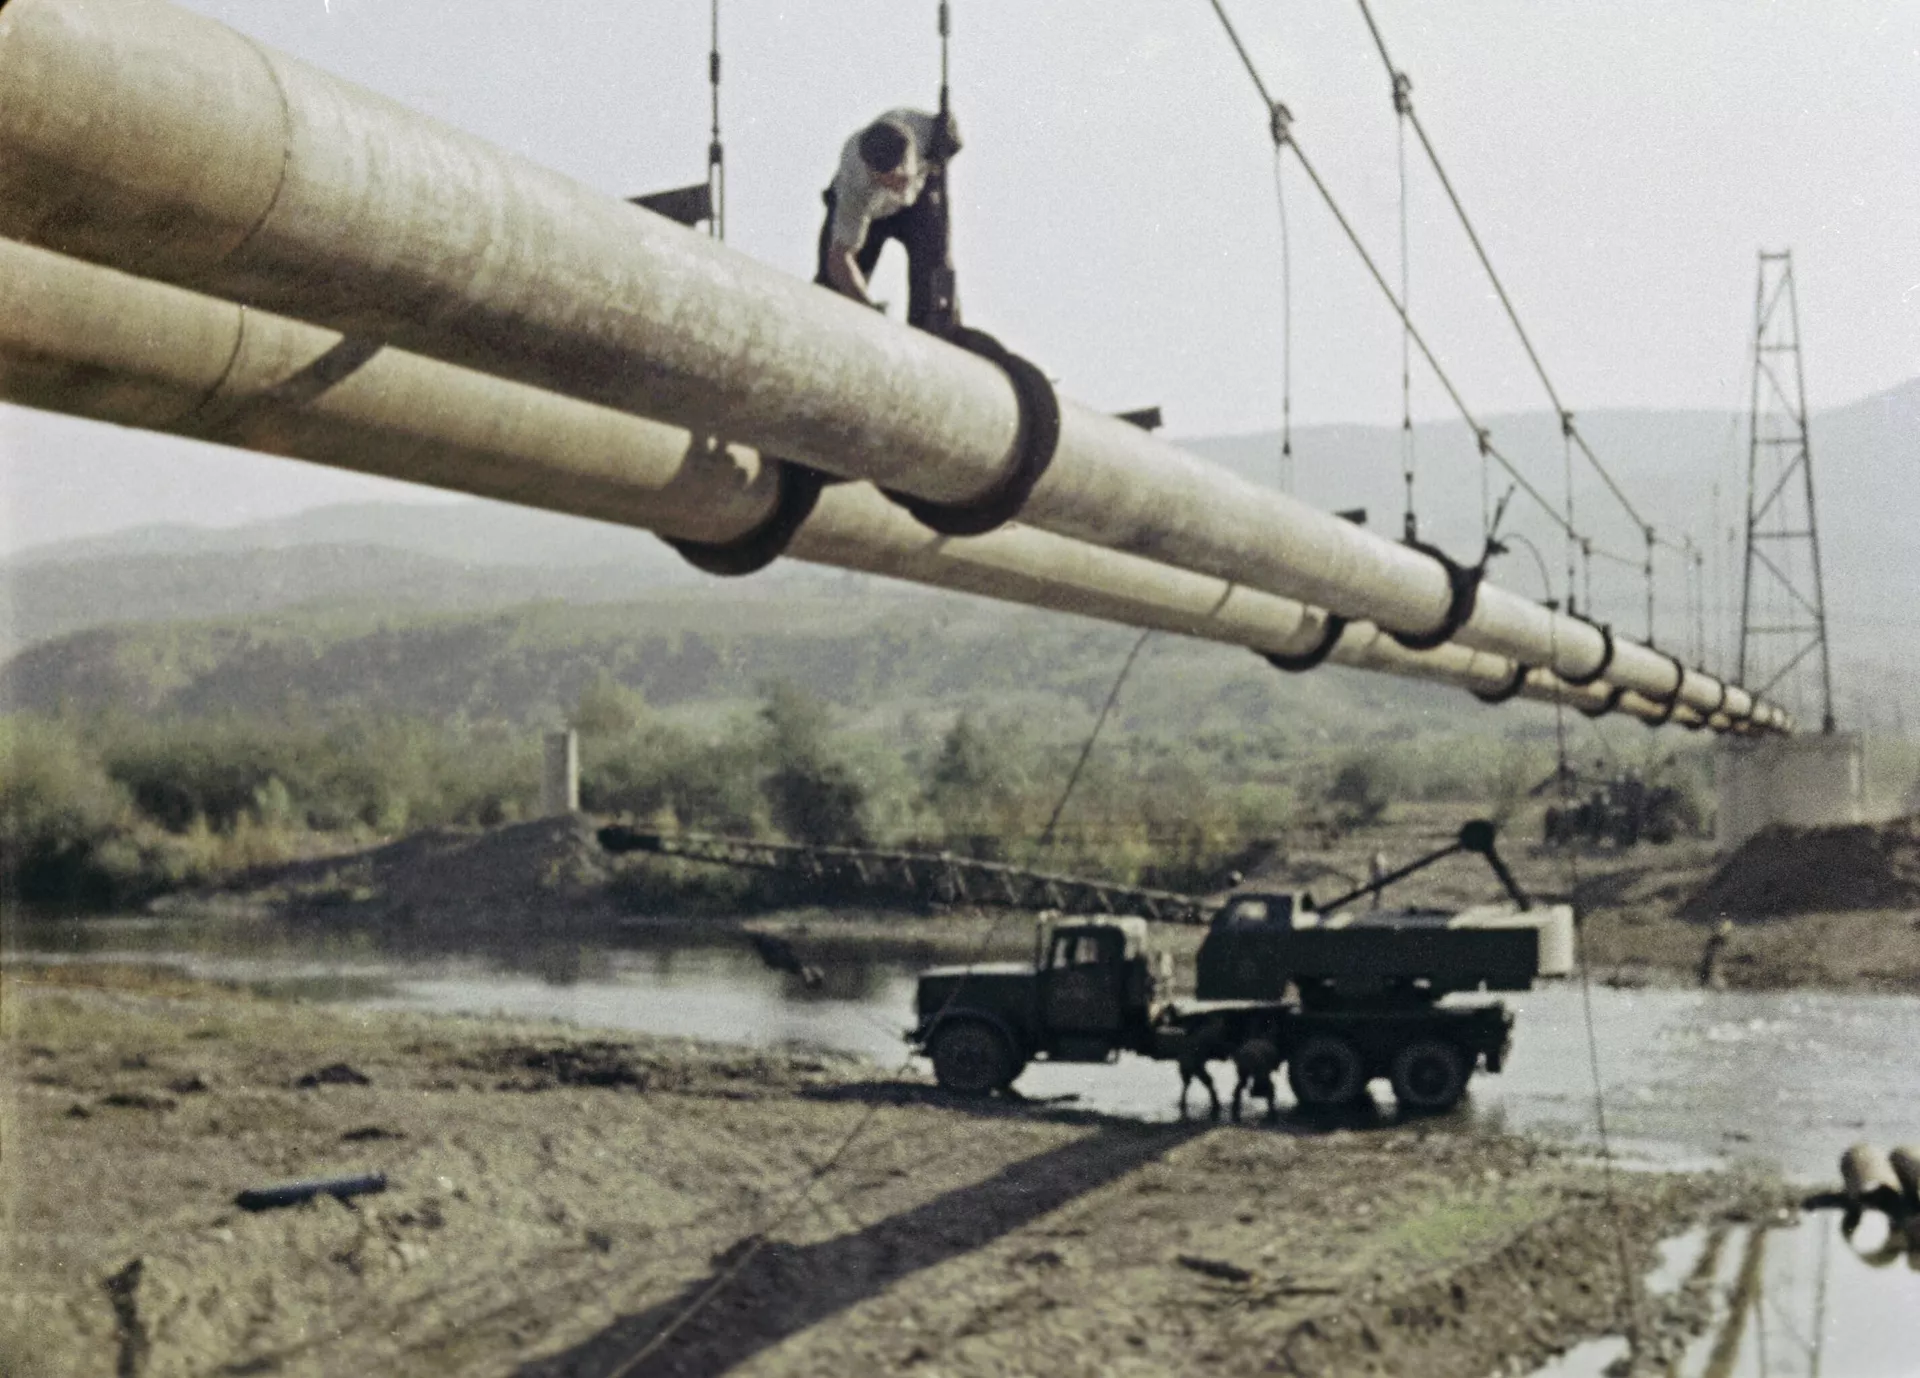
1286, 321
1409, 115
1281, 124
1629, 1293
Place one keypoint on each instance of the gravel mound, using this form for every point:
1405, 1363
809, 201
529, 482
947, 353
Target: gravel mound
522, 878
1784, 871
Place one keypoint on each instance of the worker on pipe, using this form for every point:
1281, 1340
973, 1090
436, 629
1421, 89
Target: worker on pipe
892, 185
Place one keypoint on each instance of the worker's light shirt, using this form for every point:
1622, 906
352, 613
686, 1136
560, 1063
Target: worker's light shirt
859, 197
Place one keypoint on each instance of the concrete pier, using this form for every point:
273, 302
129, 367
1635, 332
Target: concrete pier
560, 781
1810, 781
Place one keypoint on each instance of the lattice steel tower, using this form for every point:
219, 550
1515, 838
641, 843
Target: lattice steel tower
1783, 604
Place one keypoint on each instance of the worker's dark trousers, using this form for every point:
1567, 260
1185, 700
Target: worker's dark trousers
921, 231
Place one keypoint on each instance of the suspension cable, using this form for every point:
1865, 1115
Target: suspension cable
1282, 129
1483, 436
1286, 320
1702, 649
1233, 36
716, 152
946, 35
1649, 574
1401, 104
1628, 1294
1566, 456
1410, 116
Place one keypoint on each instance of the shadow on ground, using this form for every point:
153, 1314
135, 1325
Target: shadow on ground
1365, 1114
782, 1289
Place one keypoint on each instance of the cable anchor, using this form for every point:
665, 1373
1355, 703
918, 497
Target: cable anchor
1280, 124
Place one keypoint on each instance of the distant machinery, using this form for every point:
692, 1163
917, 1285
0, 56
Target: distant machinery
1623, 808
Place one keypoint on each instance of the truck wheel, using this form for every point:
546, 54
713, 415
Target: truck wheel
1326, 1071
971, 1058
1429, 1076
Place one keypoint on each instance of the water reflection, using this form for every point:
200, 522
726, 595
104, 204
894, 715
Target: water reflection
1771, 1300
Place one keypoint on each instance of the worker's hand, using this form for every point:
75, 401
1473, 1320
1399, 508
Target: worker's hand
946, 137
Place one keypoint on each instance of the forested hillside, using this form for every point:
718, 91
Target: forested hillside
700, 654
1685, 469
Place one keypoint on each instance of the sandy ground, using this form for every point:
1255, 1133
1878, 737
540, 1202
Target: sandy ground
558, 1202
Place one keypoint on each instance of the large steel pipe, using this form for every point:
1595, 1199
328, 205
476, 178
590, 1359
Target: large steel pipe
93, 342
146, 138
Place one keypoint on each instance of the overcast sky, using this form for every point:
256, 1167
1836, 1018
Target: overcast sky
1115, 204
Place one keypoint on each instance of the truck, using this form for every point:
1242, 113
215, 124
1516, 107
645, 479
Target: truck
1340, 996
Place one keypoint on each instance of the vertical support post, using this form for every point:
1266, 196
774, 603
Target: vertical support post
560, 781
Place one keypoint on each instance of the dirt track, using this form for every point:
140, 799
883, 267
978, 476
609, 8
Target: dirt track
557, 1201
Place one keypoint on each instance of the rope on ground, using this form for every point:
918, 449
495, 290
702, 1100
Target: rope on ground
800, 1198
1086, 749
1820, 1303
1628, 1282
832, 1161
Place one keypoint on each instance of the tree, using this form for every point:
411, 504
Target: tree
811, 796
607, 708
973, 784
1361, 790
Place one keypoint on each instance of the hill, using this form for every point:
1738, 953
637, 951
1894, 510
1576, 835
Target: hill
404, 562
701, 655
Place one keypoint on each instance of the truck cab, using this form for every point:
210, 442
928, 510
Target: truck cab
1087, 995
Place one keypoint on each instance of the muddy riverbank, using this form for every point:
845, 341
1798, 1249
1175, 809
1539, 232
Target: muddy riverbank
558, 1198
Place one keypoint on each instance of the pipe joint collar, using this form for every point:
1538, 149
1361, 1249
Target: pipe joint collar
1612, 702
749, 553
1039, 437
1463, 583
1606, 655
1308, 659
1672, 700
1515, 683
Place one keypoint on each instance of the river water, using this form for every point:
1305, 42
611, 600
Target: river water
1689, 1078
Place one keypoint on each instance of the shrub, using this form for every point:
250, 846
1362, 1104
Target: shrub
1361, 790
58, 808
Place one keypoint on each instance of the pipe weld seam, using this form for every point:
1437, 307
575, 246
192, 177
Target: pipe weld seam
1308, 659
1606, 655
754, 550
1463, 584
1611, 702
1039, 437
1515, 683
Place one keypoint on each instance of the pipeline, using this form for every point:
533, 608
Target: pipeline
96, 343
142, 137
